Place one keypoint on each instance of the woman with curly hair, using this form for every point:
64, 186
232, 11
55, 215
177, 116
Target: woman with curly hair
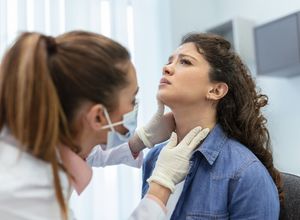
231, 174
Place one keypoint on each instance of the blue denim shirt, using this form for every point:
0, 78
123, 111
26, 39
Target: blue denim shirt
225, 181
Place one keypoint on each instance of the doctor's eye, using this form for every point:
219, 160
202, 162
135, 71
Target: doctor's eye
135, 101
185, 62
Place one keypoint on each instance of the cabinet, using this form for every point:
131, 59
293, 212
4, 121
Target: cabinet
277, 47
239, 32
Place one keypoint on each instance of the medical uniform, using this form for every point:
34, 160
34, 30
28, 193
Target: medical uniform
27, 191
114, 156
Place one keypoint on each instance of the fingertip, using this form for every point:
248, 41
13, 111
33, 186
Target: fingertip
161, 106
173, 136
194, 132
205, 132
173, 140
197, 129
199, 137
191, 135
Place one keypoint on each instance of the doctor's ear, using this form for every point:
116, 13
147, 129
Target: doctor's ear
96, 117
217, 91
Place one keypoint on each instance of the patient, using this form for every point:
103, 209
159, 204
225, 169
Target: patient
231, 175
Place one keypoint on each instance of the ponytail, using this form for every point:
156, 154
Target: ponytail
29, 104
39, 108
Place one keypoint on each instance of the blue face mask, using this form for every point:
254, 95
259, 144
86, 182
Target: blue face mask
114, 138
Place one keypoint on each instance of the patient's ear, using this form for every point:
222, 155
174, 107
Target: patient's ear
217, 91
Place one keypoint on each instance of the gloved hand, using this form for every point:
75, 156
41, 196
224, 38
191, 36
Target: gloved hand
173, 161
157, 130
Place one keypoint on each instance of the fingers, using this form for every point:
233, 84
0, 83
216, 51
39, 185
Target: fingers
160, 107
191, 135
198, 138
169, 116
173, 140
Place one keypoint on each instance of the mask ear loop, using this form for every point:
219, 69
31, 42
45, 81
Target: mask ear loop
108, 119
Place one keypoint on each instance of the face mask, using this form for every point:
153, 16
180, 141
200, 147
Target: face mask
114, 138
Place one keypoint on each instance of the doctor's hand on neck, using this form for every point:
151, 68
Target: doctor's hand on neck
157, 130
172, 164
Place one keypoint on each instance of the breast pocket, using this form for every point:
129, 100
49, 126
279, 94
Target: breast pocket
206, 216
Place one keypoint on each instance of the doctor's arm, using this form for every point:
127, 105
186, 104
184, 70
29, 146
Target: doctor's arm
171, 168
114, 156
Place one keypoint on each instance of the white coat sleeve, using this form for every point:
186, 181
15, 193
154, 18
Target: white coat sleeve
150, 208
114, 156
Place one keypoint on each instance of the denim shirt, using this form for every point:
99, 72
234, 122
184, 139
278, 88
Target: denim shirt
225, 181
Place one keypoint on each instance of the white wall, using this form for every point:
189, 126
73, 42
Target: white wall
283, 115
257, 10
153, 46
190, 15
283, 111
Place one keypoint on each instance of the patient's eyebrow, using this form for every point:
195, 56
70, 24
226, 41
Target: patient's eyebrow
180, 56
187, 55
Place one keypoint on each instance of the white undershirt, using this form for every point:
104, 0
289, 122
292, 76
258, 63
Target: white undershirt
171, 204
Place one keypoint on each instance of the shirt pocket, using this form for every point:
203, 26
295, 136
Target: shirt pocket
206, 216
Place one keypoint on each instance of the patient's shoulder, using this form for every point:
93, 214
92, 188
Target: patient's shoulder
154, 152
150, 159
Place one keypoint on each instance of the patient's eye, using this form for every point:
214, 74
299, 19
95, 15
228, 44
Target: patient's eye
185, 61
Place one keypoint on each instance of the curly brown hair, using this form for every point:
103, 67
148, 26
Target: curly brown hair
239, 112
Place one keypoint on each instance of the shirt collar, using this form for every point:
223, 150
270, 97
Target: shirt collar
212, 144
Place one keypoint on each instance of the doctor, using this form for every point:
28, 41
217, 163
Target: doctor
60, 97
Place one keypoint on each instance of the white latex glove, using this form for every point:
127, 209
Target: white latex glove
173, 161
158, 129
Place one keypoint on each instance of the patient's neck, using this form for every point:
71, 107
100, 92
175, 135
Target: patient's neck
189, 117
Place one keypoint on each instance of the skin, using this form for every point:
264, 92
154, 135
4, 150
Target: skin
187, 89
91, 117
92, 120
160, 192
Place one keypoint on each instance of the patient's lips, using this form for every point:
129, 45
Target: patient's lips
164, 81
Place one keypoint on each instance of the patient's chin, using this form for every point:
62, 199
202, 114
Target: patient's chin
164, 97
169, 100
